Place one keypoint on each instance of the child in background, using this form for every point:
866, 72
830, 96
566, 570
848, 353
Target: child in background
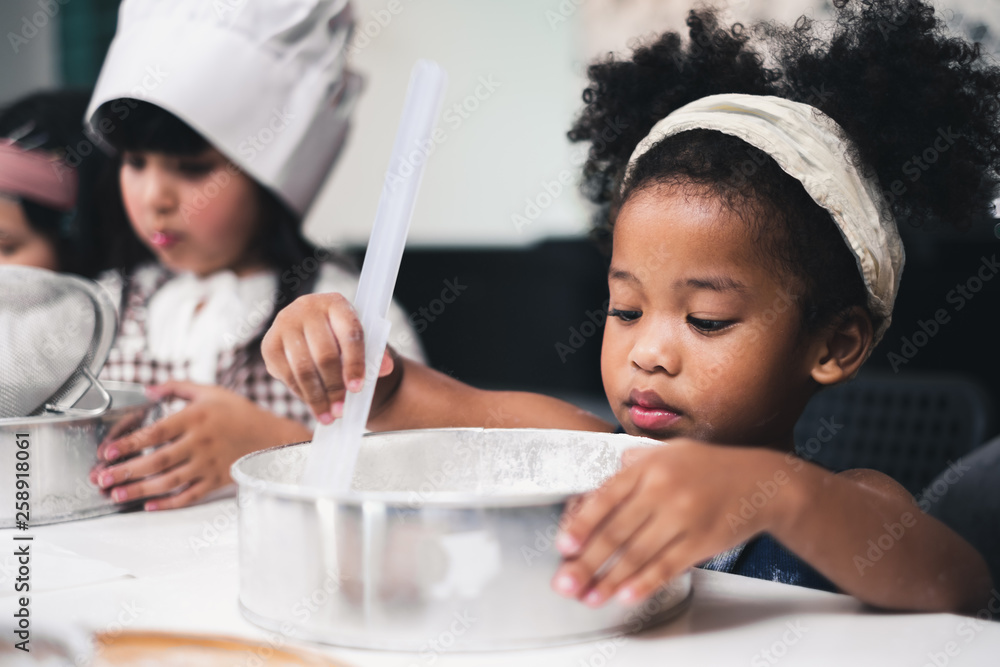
225, 128
755, 260
47, 186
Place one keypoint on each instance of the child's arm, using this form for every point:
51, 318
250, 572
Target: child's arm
678, 505
316, 347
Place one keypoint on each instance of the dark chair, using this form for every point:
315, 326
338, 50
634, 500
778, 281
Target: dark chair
908, 426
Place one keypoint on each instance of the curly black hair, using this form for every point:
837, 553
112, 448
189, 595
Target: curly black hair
886, 71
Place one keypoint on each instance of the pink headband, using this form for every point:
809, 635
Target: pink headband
30, 174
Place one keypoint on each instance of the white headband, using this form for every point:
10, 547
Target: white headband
809, 146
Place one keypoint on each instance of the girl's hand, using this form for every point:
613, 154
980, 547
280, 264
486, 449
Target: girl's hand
668, 509
317, 348
194, 447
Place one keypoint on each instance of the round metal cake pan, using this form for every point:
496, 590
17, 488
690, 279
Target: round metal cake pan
61, 452
446, 544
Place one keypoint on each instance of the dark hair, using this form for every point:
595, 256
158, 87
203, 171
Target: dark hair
52, 121
137, 125
886, 72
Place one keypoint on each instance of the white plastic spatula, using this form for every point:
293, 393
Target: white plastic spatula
335, 447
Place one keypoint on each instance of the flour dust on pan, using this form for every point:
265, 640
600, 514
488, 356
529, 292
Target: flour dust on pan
446, 536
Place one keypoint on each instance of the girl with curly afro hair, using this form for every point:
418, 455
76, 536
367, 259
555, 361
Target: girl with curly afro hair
751, 182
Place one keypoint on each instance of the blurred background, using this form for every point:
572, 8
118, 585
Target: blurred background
499, 221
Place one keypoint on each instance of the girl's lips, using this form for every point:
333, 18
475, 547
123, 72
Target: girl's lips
164, 239
649, 412
652, 419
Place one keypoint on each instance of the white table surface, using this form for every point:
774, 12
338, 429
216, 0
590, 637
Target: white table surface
178, 571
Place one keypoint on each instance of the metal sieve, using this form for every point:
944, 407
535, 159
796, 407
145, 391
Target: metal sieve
55, 334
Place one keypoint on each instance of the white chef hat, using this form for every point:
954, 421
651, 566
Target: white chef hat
264, 81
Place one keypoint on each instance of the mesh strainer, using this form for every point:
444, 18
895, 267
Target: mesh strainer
55, 334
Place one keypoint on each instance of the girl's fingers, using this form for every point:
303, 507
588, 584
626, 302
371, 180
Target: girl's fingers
592, 510
188, 496
168, 428
636, 455
351, 339
188, 391
307, 384
325, 354
575, 576
387, 363
272, 349
159, 484
124, 427
670, 562
651, 540
162, 458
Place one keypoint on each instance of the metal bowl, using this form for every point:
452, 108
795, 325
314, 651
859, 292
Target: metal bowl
61, 452
446, 546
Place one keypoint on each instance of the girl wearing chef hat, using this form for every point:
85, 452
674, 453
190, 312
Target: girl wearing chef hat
46, 186
225, 126
756, 259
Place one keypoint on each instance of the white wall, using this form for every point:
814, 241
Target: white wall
30, 65
506, 158
498, 160
492, 161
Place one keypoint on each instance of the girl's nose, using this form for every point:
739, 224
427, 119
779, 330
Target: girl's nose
159, 193
656, 350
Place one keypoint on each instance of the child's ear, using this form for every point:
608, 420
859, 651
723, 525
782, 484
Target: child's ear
843, 348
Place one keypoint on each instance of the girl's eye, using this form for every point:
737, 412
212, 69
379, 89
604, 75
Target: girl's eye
9, 250
625, 315
134, 161
709, 326
195, 168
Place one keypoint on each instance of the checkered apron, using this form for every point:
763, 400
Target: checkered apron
240, 370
